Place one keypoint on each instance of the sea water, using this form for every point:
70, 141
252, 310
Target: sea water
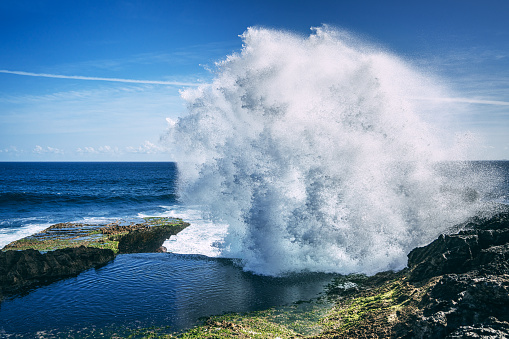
135, 290
304, 157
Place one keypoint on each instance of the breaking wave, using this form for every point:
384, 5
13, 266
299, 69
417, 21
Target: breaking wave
314, 154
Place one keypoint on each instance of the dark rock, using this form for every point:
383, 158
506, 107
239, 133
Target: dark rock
162, 249
481, 246
491, 328
462, 300
469, 297
455, 287
25, 269
149, 239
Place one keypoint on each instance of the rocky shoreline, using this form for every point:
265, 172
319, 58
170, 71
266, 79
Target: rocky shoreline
67, 249
455, 287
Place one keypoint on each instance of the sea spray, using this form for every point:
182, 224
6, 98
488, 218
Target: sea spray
314, 154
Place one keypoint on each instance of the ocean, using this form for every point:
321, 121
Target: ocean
138, 290
173, 290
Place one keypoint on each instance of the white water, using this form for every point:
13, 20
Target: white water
202, 237
314, 154
31, 226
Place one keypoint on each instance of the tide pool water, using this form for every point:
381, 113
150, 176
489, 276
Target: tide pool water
145, 290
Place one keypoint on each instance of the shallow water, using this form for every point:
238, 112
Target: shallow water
143, 290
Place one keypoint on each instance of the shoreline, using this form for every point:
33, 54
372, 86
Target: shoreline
455, 287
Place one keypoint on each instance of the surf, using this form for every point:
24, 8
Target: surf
315, 154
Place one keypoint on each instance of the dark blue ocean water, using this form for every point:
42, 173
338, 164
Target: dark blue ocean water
137, 290
53, 192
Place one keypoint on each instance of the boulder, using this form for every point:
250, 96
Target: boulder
21, 270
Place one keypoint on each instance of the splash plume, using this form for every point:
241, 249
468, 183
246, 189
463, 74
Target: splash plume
312, 153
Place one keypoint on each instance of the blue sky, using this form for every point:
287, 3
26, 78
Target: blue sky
155, 48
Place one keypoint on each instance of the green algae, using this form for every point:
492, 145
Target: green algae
377, 305
355, 305
105, 236
299, 320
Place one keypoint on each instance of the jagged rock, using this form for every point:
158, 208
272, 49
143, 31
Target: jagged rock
455, 287
24, 269
471, 296
462, 301
491, 328
482, 246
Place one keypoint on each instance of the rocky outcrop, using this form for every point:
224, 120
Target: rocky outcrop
482, 246
455, 287
20, 270
148, 239
470, 297
145, 235
70, 248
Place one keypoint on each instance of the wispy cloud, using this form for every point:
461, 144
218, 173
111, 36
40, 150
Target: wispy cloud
79, 77
466, 101
11, 150
146, 148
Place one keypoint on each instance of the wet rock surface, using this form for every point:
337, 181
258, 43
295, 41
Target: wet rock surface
470, 298
147, 239
455, 287
21, 270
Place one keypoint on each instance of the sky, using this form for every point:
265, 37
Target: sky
98, 80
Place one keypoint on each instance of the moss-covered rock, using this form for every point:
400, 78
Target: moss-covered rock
146, 235
67, 249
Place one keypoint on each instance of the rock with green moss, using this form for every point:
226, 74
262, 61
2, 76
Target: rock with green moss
455, 287
143, 235
67, 249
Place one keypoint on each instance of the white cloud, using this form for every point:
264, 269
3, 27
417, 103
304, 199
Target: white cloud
108, 149
86, 150
11, 149
146, 148
43, 150
467, 101
98, 150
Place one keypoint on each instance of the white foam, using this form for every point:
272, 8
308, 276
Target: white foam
202, 236
313, 152
8, 235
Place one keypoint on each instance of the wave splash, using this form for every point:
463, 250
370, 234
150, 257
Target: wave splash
313, 152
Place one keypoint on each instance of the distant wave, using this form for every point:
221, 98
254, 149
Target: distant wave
15, 198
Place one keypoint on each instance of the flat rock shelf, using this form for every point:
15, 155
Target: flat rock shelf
66, 249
